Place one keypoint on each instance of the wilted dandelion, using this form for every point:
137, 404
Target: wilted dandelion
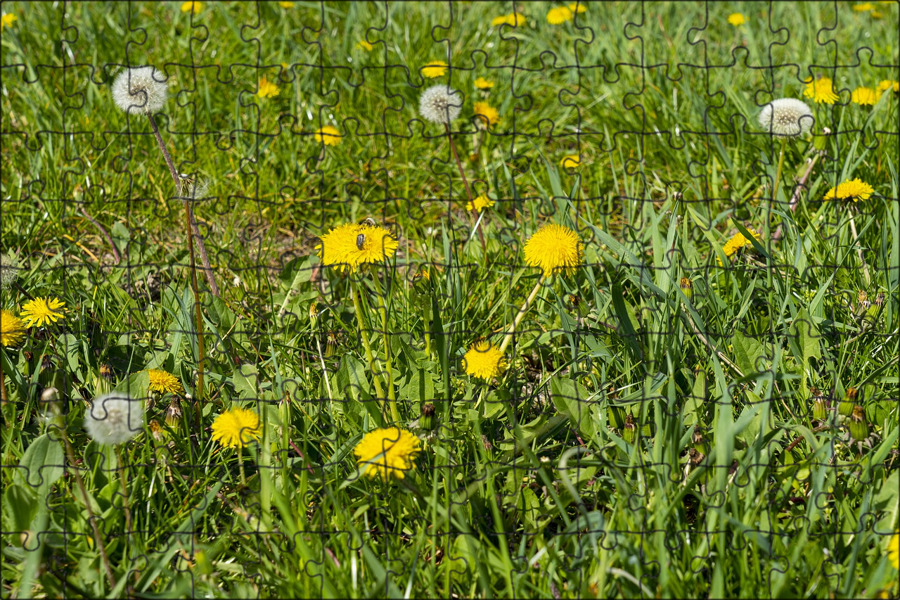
364, 45
486, 114
387, 452
512, 19
114, 418
236, 428
12, 329
140, 90
552, 248
43, 311
786, 117
483, 84
9, 269
164, 382
820, 90
738, 241
7, 20
864, 96
480, 203
351, 245
852, 189
434, 69
483, 360
440, 104
192, 7
572, 161
559, 15
267, 89
328, 135
737, 19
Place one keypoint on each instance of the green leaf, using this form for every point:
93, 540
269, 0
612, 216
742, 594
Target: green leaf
42, 464
746, 352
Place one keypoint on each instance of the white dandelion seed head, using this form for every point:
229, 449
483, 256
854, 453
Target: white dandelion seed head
9, 269
440, 104
140, 90
114, 418
786, 117
194, 189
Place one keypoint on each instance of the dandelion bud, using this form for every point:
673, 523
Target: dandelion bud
786, 117
687, 287
157, 430
428, 419
114, 418
140, 90
629, 430
858, 427
440, 104
845, 408
313, 314
173, 413
820, 410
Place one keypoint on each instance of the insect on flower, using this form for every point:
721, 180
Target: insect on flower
361, 241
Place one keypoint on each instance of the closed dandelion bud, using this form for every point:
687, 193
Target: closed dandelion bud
157, 430
820, 141
845, 408
852, 394
820, 410
313, 314
858, 427
173, 413
429, 421
687, 288
628, 433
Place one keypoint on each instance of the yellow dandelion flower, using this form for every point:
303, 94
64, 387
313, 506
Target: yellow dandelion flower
480, 203
12, 329
364, 45
387, 452
572, 161
559, 15
483, 84
852, 189
738, 241
888, 84
349, 246
512, 19
864, 96
483, 360
865, 7
286, 4
236, 428
192, 7
553, 248
7, 20
435, 68
164, 382
267, 89
578, 7
43, 311
328, 135
486, 113
894, 550
737, 19
820, 90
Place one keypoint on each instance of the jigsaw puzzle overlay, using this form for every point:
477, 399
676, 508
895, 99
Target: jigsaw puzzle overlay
460, 299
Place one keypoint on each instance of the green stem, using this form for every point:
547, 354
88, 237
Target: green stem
521, 314
365, 340
778, 171
392, 394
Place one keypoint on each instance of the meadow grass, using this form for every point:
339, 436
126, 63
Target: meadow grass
671, 420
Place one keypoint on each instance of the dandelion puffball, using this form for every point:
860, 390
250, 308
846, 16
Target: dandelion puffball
440, 104
114, 418
786, 117
140, 90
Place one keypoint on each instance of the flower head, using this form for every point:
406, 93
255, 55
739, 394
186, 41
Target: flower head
140, 90
440, 104
480, 203
738, 241
852, 189
435, 68
864, 7
887, 84
286, 4
7, 20
552, 248
737, 19
894, 550
114, 418
512, 19
483, 360
486, 114
9, 269
351, 245
820, 90
43, 311
267, 89
572, 161
236, 428
559, 15
864, 96
164, 382
328, 135
578, 7
364, 45
387, 452
12, 329
483, 84
192, 7
786, 117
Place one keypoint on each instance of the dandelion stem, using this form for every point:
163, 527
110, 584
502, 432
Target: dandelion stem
365, 340
3, 397
778, 171
520, 315
859, 250
462, 174
97, 224
392, 395
125, 504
